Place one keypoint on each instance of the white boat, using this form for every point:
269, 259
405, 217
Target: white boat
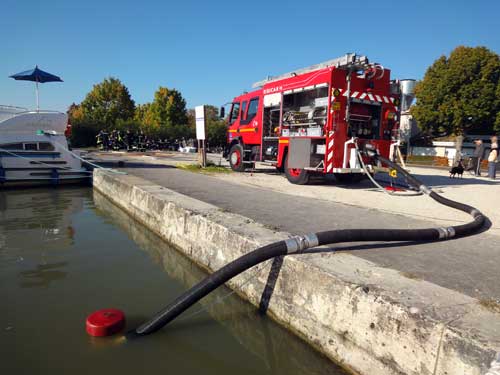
34, 149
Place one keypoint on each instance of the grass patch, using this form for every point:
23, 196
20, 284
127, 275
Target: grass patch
210, 168
490, 304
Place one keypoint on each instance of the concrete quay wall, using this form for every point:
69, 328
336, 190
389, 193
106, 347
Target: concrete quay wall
370, 319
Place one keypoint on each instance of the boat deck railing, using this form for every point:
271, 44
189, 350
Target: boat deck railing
9, 111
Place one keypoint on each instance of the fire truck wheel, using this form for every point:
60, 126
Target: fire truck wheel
296, 176
236, 158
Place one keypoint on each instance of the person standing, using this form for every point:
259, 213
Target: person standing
492, 158
99, 140
128, 140
478, 156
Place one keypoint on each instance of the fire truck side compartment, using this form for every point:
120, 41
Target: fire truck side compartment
299, 154
304, 111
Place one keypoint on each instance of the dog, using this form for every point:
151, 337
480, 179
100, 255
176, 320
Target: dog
457, 170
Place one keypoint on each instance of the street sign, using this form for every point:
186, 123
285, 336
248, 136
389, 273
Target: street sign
200, 121
199, 113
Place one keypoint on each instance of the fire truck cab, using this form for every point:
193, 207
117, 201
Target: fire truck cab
312, 121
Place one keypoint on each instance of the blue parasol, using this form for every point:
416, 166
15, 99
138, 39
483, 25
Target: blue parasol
36, 75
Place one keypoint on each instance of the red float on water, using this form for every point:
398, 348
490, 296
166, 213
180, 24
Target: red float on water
105, 322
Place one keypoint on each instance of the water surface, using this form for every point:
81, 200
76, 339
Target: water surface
65, 253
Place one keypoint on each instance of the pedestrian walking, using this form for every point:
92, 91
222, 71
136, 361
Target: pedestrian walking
478, 156
492, 158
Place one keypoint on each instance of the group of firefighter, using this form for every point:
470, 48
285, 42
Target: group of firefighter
116, 140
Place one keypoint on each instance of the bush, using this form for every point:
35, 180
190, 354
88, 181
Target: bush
83, 135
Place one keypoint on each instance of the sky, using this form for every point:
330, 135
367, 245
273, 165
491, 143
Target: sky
212, 51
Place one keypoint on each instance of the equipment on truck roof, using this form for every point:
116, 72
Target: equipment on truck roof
349, 60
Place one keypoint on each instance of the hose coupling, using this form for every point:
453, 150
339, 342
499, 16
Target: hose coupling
299, 243
425, 189
475, 213
445, 233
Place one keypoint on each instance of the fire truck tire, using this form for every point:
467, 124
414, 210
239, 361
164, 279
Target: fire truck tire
236, 158
281, 168
296, 176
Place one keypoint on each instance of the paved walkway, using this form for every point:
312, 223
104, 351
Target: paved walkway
481, 193
469, 265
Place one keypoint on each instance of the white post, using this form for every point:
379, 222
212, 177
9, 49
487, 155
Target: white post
37, 103
200, 115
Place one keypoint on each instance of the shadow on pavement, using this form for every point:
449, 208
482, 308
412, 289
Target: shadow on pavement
132, 165
441, 181
129, 164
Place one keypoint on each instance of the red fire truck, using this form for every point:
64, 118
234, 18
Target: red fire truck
309, 122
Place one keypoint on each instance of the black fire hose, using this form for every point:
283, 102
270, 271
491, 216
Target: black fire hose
300, 243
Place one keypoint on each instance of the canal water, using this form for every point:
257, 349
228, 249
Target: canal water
65, 253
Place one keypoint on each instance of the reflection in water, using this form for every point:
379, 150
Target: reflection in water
34, 228
42, 276
61, 259
36, 216
38, 223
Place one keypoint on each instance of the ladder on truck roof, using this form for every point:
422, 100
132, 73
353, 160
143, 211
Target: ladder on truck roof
349, 60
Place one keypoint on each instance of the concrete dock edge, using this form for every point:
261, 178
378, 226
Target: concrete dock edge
370, 319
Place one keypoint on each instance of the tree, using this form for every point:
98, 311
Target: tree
108, 102
81, 133
497, 121
108, 105
167, 112
216, 127
75, 113
130, 124
144, 117
460, 94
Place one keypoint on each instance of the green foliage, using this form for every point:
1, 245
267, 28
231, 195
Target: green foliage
109, 106
83, 135
211, 168
460, 94
166, 116
168, 108
497, 119
107, 102
130, 124
216, 127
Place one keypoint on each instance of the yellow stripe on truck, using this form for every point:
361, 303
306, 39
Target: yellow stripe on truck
283, 141
248, 130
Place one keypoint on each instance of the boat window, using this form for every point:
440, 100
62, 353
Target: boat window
12, 146
30, 146
45, 146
